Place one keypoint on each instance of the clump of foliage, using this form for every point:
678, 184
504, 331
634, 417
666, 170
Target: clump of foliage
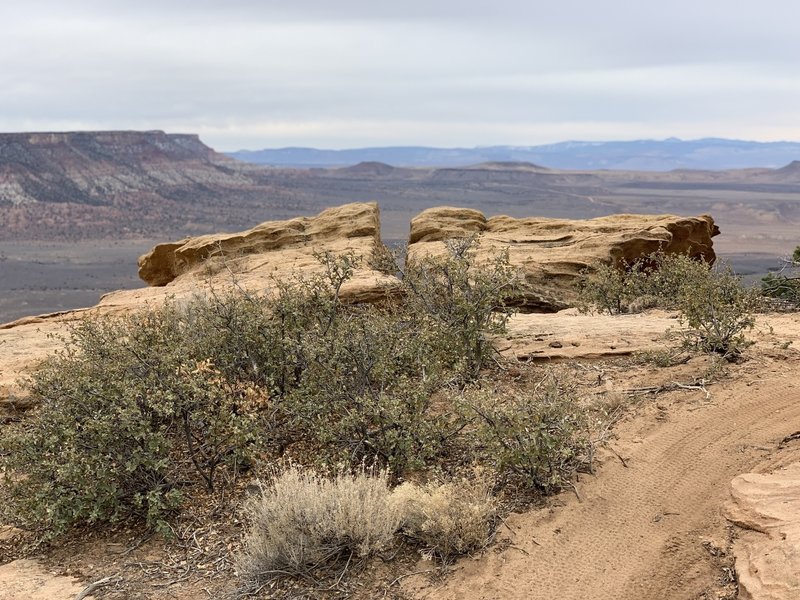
610, 289
130, 413
138, 411
712, 301
447, 519
718, 311
464, 303
538, 439
303, 522
785, 284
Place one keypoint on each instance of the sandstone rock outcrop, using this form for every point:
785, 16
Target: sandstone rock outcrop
552, 252
767, 507
275, 249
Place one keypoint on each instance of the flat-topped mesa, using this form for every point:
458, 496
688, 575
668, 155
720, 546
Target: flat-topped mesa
552, 252
275, 249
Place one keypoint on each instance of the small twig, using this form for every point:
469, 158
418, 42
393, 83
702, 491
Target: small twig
619, 456
96, 585
789, 438
698, 386
171, 582
575, 489
137, 543
503, 521
338, 581
397, 579
673, 385
525, 552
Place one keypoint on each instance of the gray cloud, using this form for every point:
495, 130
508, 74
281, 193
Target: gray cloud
255, 74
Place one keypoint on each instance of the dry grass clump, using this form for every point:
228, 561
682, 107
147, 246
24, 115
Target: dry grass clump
447, 519
302, 521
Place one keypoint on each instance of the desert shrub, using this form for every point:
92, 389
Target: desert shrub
712, 301
367, 374
303, 521
463, 302
127, 418
611, 289
718, 311
539, 438
151, 405
655, 280
354, 382
784, 285
447, 519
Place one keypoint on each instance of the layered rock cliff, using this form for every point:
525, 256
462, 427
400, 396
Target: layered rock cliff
101, 184
93, 167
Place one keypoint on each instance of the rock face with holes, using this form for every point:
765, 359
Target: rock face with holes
553, 252
767, 507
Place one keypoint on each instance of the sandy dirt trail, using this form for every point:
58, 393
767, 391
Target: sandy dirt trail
642, 531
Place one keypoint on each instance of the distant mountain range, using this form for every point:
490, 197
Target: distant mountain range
640, 155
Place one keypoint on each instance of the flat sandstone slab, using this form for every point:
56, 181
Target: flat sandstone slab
767, 507
29, 580
571, 335
551, 253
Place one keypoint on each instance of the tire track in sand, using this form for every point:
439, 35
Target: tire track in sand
638, 531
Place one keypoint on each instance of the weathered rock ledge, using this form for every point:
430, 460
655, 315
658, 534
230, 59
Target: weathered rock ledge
553, 252
275, 249
767, 507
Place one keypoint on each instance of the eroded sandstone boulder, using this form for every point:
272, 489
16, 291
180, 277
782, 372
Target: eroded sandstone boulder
274, 249
552, 252
767, 552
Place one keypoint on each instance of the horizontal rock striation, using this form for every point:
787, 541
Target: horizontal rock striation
92, 167
552, 252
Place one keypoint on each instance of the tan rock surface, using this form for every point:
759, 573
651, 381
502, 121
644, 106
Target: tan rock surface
767, 507
29, 580
272, 249
22, 347
552, 252
571, 335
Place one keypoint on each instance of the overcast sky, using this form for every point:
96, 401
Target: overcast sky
349, 73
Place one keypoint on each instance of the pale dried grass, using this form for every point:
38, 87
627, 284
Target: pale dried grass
303, 521
448, 519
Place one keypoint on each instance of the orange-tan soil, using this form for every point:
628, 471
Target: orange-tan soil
649, 524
